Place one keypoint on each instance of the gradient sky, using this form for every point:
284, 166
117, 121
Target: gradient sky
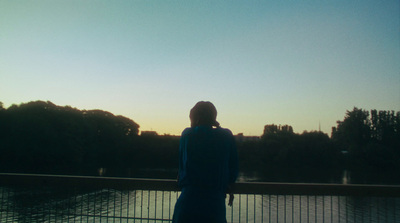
299, 63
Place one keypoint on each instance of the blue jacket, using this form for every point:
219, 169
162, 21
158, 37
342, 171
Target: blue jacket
208, 158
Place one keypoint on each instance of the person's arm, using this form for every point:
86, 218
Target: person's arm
233, 169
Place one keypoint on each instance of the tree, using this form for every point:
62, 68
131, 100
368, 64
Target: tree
384, 126
274, 129
354, 131
373, 143
43, 137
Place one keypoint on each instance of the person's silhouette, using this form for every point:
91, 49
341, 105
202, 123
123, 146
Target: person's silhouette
208, 166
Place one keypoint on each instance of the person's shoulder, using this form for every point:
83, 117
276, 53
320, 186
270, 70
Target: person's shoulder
186, 131
224, 131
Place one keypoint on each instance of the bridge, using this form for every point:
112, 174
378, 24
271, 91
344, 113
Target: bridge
60, 198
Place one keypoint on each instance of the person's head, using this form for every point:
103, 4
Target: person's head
203, 113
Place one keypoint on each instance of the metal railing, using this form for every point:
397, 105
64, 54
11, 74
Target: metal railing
53, 198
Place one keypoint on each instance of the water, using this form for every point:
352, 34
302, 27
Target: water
107, 205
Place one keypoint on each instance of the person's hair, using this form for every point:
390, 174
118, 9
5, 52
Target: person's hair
203, 113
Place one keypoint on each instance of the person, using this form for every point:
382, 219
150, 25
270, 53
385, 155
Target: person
208, 167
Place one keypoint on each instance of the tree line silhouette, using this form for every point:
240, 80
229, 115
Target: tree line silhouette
41, 137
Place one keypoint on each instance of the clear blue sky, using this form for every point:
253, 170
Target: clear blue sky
260, 62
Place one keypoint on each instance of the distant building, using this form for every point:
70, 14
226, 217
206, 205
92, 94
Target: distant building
241, 138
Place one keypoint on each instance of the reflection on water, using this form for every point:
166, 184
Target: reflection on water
18, 205
346, 177
107, 205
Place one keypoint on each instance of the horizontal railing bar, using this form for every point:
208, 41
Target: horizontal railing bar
171, 185
88, 181
318, 189
121, 217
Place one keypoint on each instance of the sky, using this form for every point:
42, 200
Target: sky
300, 63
